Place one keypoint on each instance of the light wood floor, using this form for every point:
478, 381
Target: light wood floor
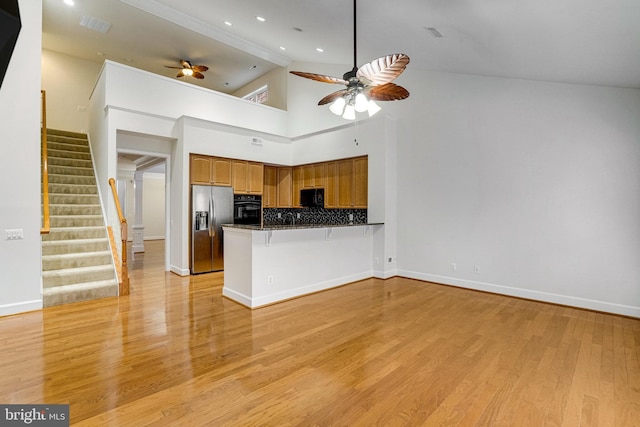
395, 352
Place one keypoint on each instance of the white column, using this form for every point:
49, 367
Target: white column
138, 226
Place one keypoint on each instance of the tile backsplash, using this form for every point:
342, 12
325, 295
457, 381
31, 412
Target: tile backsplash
313, 216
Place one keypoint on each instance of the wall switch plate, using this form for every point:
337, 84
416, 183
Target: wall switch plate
454, 267
476, 269
15, 234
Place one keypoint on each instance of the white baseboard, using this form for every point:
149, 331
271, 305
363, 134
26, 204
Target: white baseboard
256, 302
179, 271
385, 274
568, 300
20, 307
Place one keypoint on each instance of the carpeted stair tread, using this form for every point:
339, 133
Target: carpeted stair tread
67, 276
70, 170
61, 153
65, 188
79, 292
72, 233
74, 199
75, 260
53, 247
62, 221
75, 209
55, 178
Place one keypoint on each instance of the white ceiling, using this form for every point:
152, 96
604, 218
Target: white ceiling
579, 41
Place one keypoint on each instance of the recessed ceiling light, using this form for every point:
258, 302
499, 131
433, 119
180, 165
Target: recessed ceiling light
69, 2
319, 49
227, 23
283, 48
260, 18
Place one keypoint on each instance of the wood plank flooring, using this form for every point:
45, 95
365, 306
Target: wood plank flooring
392, 353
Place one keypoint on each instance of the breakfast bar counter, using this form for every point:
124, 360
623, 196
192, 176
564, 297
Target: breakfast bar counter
267, 264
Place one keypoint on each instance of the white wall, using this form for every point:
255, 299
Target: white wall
276, 81
20, 285
68, 82
535, 183
538, 184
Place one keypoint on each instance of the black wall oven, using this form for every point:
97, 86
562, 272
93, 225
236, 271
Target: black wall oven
247, 209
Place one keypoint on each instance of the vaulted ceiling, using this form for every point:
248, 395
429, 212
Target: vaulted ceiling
579, 41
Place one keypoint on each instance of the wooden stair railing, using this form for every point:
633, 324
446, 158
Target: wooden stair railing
124, 283
46, 221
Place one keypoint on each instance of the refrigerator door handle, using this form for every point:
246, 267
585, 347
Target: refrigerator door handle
212, 215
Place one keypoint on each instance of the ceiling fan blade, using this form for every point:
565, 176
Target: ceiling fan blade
175, 68
332, 97
383, 70
200, 68
320, 77
197, 75
387, 92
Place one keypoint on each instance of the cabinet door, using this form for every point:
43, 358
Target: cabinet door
221, 171
319, 175
308, 180
360, 182
200, 169
284, 188
270, 186
330, 189
255, 178
297, 182
345, 183
240, 181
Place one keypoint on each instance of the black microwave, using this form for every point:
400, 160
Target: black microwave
312, 198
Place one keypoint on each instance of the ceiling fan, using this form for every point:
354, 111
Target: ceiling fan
190, 70
369, 83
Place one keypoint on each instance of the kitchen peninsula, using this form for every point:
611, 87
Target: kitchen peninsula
265, 265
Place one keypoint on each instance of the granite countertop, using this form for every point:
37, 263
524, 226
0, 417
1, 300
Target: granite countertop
295, 226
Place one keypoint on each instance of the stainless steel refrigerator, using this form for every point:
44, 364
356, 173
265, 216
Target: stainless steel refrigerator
210, 208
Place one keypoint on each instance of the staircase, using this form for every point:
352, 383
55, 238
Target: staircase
77, 262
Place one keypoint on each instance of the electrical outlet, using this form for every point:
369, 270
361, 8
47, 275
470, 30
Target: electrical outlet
279, 215
476, 269
454, 267
390, 259
270, 280
298, 216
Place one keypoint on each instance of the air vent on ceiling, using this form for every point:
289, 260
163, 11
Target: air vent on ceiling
95, 24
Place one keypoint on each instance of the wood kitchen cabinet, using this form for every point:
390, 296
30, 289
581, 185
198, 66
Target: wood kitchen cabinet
248, 177
270, 187
285, 191
209, 170
330, 189
352, 183
297, 183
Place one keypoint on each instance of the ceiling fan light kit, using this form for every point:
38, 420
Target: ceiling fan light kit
188, 70
365, 85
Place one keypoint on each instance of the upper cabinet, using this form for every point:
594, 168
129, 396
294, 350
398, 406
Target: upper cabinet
349, 183
345, 181
247, 177
210, 170
270, 187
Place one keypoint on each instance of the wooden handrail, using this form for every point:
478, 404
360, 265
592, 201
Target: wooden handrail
46, 221
124, 285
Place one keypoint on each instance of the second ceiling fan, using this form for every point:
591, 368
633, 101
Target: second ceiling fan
364, 85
